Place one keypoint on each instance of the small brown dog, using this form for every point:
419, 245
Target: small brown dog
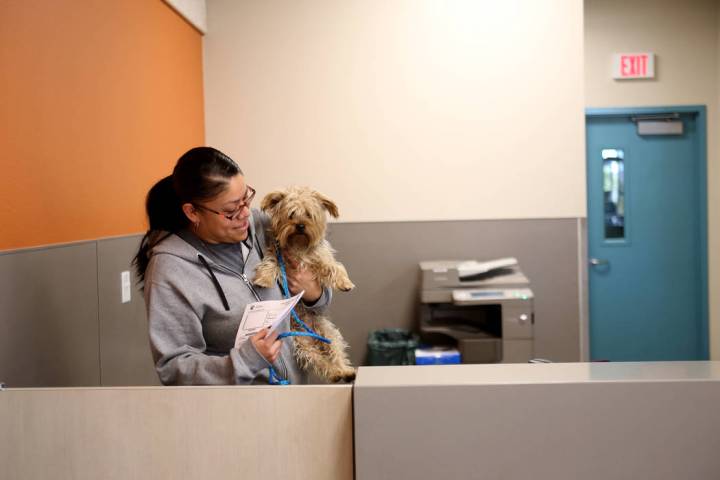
298, 222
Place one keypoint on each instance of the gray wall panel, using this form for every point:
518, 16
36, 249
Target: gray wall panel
48, 324
382, 259
125, 357
63, 323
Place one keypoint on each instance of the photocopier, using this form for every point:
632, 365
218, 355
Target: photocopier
484, 309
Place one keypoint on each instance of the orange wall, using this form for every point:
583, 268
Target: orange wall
98, 98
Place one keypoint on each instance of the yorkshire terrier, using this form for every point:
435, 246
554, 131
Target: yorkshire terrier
298, 223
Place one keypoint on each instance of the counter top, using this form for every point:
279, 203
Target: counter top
537, 373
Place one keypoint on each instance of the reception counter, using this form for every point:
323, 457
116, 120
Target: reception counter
302, 432
516, 421
539, 421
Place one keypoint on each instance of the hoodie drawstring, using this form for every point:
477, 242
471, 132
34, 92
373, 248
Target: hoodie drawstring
215, 282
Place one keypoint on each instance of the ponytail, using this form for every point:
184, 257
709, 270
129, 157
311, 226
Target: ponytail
165, 217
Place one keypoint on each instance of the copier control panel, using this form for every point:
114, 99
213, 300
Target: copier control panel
478, 296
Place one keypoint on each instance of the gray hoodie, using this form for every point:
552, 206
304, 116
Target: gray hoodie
192, 333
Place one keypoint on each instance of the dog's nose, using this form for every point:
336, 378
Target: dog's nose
301, 227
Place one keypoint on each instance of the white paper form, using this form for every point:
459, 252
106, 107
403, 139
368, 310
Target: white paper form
259, 315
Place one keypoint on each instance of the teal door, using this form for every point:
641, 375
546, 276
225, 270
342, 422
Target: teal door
647, 234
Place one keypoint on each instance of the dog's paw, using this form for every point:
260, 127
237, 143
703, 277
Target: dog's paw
261, 282
346, 376
266, 274
345, 285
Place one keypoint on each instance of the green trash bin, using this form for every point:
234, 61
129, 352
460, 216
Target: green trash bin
391, 346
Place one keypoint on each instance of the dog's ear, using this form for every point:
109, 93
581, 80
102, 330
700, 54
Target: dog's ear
328, 204
271, 200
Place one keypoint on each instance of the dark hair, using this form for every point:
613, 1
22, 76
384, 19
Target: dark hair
200, 174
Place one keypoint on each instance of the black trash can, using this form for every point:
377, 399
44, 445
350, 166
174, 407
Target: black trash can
391, 346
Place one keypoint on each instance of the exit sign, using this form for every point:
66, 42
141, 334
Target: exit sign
633, 65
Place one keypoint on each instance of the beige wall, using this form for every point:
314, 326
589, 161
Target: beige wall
404, 110
684, 37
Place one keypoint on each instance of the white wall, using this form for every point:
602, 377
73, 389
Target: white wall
404, 109
194, 11
684, 37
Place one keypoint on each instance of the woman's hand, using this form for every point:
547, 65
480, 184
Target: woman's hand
301, 278
267, 345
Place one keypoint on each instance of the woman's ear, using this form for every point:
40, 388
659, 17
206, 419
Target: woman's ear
191, 213
271, 200
328, 204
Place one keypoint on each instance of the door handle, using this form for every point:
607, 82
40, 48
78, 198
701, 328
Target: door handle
599, 261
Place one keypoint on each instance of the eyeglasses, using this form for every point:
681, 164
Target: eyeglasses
249, 195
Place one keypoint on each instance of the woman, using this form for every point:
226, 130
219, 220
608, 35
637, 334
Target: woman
197, 262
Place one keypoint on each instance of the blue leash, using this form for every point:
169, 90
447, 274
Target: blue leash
275, 379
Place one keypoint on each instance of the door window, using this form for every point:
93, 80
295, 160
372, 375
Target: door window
614, 193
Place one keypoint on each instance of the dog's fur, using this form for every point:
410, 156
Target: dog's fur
298, 222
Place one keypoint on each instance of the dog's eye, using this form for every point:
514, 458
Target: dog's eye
291, 216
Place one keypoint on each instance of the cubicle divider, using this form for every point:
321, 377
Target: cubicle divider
301, 432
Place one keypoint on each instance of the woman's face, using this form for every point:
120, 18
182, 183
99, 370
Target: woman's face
225, 218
